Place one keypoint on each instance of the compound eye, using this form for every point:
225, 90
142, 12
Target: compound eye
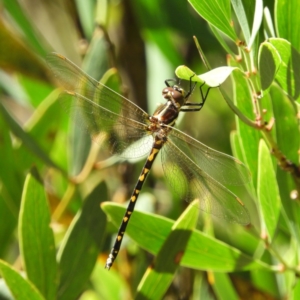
179, 90
167, 90
177, 94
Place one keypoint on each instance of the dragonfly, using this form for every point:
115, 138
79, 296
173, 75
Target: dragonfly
192, 169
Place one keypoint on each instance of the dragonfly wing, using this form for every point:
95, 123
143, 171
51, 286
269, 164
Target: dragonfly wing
75, 80
190, 182
222, 167
124, 136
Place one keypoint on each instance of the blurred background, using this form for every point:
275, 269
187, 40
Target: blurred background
145, 41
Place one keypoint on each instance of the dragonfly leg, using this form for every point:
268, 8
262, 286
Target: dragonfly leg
197, 106
167, 81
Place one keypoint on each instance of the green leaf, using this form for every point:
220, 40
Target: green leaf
11, 181
17, 13
21, 288
109, 283
203, 252
183, 72
223, 287
35, 89
111, 78
286, 123
162, 39
213, 78
169, 256
217, 13
36, 238
12, 88
27, 140
296, 291
288, 74
158, 33
81, 245
268, 193
269, 63
248, 136
290, 209
95, 66
257, 20
265, 280
86, 14
287, 24
11, 178
218, 35
217, 76
249, 14
8, 221
268, 23
45, 122
235, 145
242, 18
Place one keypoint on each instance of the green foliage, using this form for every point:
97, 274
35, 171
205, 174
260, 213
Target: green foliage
53, 178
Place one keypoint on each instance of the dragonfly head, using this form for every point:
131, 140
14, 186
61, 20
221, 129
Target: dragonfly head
175, 94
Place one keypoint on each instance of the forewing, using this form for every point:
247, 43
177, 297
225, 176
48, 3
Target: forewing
190, 182
222, 167
76, 80
123, 136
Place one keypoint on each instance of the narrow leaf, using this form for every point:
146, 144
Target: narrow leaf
36, 238
16, 11
286, 123
21, 288
203, 252
86, 14
212, 78
95, 65
162, 271
268, 193
287, 23
269, 63
288, 74
217, 13
258, 14
183, 72
81, 245
217, 76
242, 18
45, 122
11, 174
221, 40
223, 287
268, 24
27, 140
248, 136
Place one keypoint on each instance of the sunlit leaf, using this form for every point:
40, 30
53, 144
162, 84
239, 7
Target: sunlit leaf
286, 20
37, 239
202, 252
20, 288
169, 256
213, 78
269, 63
268, 193
88, 227
288, 74
217, 13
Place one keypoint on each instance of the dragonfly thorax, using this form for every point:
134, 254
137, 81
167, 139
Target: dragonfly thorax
166, 114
